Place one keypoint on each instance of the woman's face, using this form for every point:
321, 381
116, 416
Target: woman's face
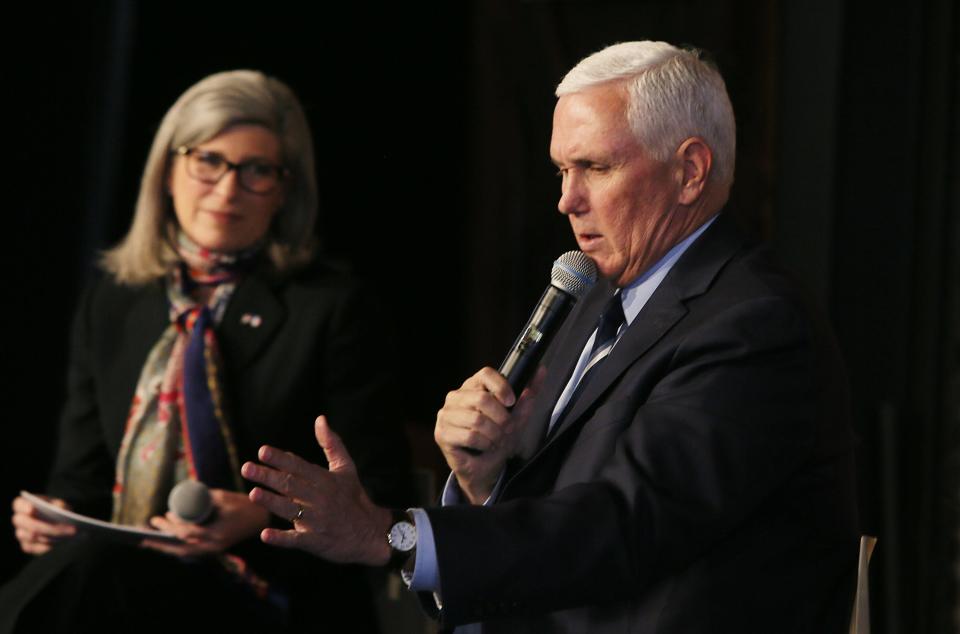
224, 215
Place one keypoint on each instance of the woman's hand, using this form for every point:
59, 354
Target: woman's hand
35, 534
236, 519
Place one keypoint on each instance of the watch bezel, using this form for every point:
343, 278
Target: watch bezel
402, 536
401, 558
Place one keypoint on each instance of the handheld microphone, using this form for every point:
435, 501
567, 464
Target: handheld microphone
572, 274
190, 501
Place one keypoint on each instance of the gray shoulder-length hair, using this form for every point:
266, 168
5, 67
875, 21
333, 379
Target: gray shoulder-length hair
205, 110
673, 95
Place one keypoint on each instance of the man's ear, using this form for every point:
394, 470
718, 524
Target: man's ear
697, 160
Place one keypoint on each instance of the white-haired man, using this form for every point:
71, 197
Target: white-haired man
686, 462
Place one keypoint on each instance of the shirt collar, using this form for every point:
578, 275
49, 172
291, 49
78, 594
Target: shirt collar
635, 295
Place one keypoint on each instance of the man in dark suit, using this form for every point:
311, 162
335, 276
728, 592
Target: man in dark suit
686, 465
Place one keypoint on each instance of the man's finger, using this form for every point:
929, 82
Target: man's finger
337, 456
471, 420
289, 462
494, 382
479, 401
479, 437
280, 480
276, 504
488, 380
284, 539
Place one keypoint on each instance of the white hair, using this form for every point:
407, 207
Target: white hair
672, 95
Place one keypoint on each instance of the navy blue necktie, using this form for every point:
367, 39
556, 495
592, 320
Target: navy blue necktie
611, 319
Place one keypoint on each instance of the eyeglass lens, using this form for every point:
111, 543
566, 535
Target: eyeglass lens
255, 175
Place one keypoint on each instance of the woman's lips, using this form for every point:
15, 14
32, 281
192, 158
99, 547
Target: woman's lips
223, 216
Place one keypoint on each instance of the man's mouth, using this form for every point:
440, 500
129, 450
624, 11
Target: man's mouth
588, 240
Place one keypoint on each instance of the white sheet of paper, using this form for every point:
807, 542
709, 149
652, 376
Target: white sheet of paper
115, 532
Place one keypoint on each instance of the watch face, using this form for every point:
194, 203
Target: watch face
403, 536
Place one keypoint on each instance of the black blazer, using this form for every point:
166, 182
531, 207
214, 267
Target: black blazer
702, 482
316, 350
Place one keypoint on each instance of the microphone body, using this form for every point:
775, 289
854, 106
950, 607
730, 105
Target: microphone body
572, 274
190, 501
525, 353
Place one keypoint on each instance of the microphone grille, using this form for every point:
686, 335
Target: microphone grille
190, 500
574, 273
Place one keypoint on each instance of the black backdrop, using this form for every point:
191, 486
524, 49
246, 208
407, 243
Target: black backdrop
431, 123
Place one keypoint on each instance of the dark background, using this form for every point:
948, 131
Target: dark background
432, 123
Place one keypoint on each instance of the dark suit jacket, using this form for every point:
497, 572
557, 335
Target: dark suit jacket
317, 350
702, 482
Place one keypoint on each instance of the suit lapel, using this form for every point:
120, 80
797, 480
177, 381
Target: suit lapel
662, 311
252, 319
570, 341
690, 276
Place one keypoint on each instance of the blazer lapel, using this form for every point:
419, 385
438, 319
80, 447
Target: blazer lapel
124, 348
148, 319
253, 317
662, 311
570, 341
690, 276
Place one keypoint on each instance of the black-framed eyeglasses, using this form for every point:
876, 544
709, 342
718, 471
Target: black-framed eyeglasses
256, 175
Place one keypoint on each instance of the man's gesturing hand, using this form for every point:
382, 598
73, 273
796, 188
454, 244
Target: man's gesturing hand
332, 515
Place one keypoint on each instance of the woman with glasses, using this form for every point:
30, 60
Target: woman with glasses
213, 331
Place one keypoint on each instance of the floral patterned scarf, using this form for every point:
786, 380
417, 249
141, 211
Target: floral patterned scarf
177, 427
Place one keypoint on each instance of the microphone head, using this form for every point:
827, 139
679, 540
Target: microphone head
190, 501
573, 272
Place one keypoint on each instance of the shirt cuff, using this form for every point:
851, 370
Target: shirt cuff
452, 495
425, 576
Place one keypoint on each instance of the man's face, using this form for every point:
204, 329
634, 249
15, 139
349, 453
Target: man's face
619, 200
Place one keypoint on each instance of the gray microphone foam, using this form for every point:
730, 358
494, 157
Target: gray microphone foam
574, 273
190, 501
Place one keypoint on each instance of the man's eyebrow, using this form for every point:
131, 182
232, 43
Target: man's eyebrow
580, 162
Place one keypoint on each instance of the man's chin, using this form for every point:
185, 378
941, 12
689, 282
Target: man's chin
608, 271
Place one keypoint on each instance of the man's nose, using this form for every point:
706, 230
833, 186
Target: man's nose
573, 196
